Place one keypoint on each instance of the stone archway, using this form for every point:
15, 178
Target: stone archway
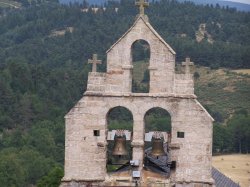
158, 126
118, 118
157, 119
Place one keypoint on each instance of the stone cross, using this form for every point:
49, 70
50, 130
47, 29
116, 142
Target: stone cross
187, 63
142, 4
94, 61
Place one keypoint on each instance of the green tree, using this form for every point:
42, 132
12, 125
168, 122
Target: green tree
42, 140
239, 126
53, 179
34, 164
11, 170
222, 139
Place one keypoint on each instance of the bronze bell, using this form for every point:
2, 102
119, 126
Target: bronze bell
157, 147
120, 146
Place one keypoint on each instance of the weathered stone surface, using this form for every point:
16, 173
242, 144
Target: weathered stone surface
85, 153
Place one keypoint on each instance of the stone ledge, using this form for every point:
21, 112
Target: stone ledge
129, 94
83, 180
121, 178
102, 144
98, 74
174, 146
137, 144
152, 68
127, 67
208, 181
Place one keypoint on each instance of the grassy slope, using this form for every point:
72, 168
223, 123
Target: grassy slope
222, 90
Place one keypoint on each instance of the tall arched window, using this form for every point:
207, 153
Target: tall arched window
157, 119
140, 52
156, 143
118, 118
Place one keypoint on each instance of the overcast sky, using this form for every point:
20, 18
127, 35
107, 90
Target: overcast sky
241, 1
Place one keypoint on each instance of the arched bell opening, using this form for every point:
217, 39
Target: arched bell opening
140, 54
119, 136
157, 123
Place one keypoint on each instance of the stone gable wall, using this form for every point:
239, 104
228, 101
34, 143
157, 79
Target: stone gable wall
85, 157
86, 153
118, 78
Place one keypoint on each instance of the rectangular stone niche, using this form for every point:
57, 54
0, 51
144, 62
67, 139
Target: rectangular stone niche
180, 134
96, 132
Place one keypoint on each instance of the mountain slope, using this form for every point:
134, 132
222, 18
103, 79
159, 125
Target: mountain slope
44, 52
222, 3
230, 4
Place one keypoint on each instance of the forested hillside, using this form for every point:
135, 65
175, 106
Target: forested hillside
43, 72
230, 4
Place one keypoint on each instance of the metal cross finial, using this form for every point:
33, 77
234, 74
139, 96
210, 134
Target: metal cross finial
142, 4
94, 61
187, 63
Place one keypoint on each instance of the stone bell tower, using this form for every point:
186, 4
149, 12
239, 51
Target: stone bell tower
86, 138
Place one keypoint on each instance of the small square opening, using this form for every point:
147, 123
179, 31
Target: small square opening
173, 165
96, 132
180, 134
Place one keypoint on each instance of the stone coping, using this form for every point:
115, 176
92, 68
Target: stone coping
82, 180
183, 182
127, 67
137, 143
163, 95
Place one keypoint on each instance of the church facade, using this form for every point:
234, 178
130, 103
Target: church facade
86, 137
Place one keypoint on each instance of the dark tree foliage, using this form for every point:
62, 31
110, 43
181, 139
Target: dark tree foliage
157, 119
27, 33
119, 113
53, 179
44, 49
140, 51
234, 137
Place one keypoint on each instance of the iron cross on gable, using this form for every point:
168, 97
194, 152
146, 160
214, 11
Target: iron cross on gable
142, 4
187, 63
94, 61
